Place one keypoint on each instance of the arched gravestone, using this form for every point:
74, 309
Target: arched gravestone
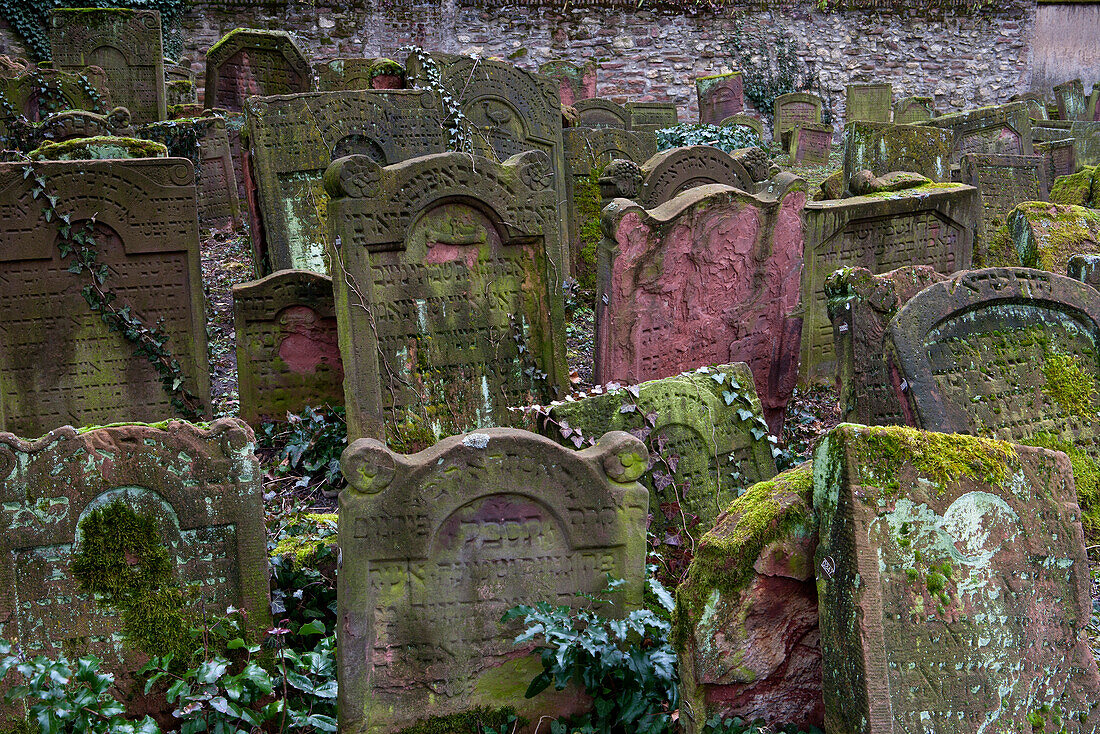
587, 149
719, 96
1003, 129
601, 113
59, 363
932, 226
447, 315
672, 172
201, 485
360, 74
86, 90
709, 277
436, 546
651, 116
82, 124
883, 147
248, 61
989, 352
909, 110
125, 43
288, 353
1071, 100
293, 138
868, 102
574, 82
793, 109
746, 121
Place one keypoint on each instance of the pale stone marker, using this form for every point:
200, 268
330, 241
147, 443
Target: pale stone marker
869, 102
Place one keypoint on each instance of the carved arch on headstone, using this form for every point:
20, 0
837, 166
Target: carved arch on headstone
598, 113
672, 172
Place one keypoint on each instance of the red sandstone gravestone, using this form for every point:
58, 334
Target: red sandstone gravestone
811, 144
575, 82
720, 96
248, 61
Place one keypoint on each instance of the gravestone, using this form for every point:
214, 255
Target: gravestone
589, 149
1086, 138
1045, 235
1071, 100
1003, 181
1085, 268
927, 622
811, 144
868, 102
288, 354
909, 110
651, 116
861, 305
293, 138
249, 61
1093, 111
72, 124
674, 171
710, 420
359, 74
447, 315
59, 363
928, 225
100, 148
179, 84
1060, 155
438, 545
22, 92
201, 487
575, 82
125, 43
720, 96
1036, 105
709, 277
794, 109
746, 121
1002, 129
601, 113
882, 147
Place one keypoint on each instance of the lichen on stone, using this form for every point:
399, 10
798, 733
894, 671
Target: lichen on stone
1069, 385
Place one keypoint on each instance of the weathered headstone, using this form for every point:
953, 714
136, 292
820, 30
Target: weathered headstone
709, 277
1061, 157
601, 113
1003, 181
1003, 129
447, 315
1093, 111
928, 225
908, 110
125, 43
38, 93
674, 171
707, 426
868, 102
179, 84
575, 82
720, 96
83, 124
59, 362
811, 144
1071, 100
651, 116
746, 121
1045, 236
1086, 138
101, 148
359, 74
953, 587
1085, 268
249, 61
587, 149
794, 109
437, 546
293, 138
882, 147
288, 354
62, 494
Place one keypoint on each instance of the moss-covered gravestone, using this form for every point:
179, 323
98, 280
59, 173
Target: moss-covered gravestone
447, 311
651, 116
705, 428
288, 354
119, 539
360, 74
575, 81
59, 362
908, 110
810, 144
1085, 134
436, 546
953, 586
882, 147
930, 225
1002, 129
1046, 236
709, 277
794, 109
125, 43
23, 95
100, 148
674, 171
293, 138
720, 96
249, 61
70, 124
598, 112
869, 102
1061, 156
1071, 100
1002, 181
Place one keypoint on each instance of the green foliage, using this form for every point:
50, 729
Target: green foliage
736, 725
314, 440
479, 720
771, 67
626, 665
728, 139
460, 133
303, 567
1070, 386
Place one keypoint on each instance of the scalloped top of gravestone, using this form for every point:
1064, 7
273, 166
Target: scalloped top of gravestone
720, 96
1001, 129
598, 112
575, 81
792, 109
1003, 182
908, 110
707, 427
745, 121
447, 312
1071, 100
436, 546
250, 61
883, 147
952, 599
588, 149
1085, 268
651, 116
811, 144
359, 74
868, 102
125, 43
200, 484
674, 171
59, 363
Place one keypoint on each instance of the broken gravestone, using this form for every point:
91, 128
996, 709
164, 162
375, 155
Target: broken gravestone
249, 61
882, 147
436, 546
1045, 236
103, 148
720, 96
869, 102
341, 75
70, 124
794, 109
953, 585
1003, 181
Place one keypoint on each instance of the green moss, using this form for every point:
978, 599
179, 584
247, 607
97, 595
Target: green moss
1070, 386
998, 250
1086, 478
473, 721
586, 202
1075, 188
101, 147
383, 67
305, 547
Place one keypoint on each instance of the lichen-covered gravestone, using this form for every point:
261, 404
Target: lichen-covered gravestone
102, 148
674, 171
575, 81
288, 353
1085, 134
358, 74
436, 546
869, 102
1061, 157
183, 502
59, 362
37, 93
651, 116
446, 310
70, 124
125, 43
882, 147
1003, 181
953, 586
601, 113
908, 110
249, 61
1071, 100
928, 225
720, 96
710, 420
794, 109
1045, 236
1003, 129
811, 144
590, 149
709, 277
1085, 268
293, 138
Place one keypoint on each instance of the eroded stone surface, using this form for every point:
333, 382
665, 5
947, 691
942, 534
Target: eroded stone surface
1003, 181
601, 113
869, 102
575, 81
651, 116
250, 61
794, 109
1045, 236
1002, 129
720, 96
674, 171
882, 148
811, 144
908, 110
1071, 100
359, 74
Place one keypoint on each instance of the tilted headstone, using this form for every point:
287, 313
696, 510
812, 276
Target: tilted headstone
811, 144
710, 420
288, 353
1086, 138
200, 487
125, 43
710, 277
883, 147
1071, 100
436, 546
447, 314
1085, 268
953, 585
1093, 111
1061, 157
745, 121
1045, 236
1003, 181
861, 305
674, 171
601, 113
1003, 129
59, 363
932, 226
293, 138
249, 61
869, 102
794, 109
359, 74
651, 116
720, 96
908, 110
575, 82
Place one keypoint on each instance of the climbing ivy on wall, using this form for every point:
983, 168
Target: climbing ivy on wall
771, 67
30, 20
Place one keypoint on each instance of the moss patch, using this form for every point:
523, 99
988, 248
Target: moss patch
998, 250
304, 548
586, 201
473, 721
1077, 188
1070, 386
1086, 477
101, 147
1047, 235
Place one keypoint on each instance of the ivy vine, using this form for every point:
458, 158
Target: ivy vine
778, 71
460, 135
17, 132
